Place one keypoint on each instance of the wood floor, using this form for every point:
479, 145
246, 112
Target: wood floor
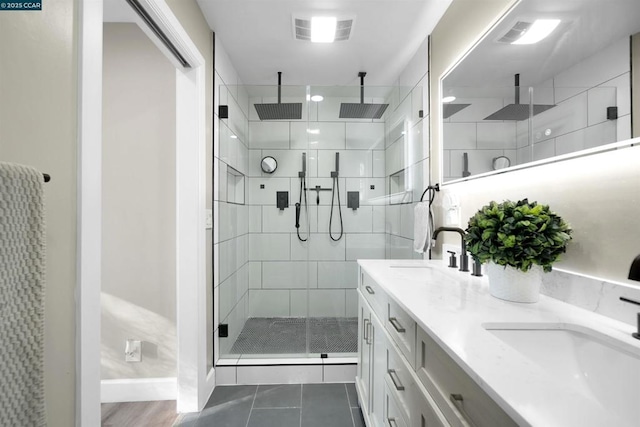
139, 414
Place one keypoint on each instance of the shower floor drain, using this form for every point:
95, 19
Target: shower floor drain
281, 335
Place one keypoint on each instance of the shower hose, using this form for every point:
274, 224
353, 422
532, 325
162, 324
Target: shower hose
335, 191
303, 185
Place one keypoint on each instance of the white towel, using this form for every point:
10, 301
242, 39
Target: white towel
22, 264
422, 220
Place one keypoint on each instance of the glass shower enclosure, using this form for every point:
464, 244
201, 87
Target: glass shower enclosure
310, 179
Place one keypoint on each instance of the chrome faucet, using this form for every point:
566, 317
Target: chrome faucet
464, 258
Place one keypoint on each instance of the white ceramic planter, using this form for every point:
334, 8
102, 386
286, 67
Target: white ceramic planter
511, 284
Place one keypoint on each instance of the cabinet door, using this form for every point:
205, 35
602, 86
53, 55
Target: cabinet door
378, 362
364, 355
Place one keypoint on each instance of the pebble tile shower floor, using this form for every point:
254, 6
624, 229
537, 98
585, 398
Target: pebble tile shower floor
288, 405
280, 335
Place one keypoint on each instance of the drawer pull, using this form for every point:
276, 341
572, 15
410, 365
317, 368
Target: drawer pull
396, 325
458, 402
395, 379
392, 422
370, 289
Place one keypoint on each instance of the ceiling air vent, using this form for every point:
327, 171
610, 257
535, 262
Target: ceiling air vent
302, 29
515, 32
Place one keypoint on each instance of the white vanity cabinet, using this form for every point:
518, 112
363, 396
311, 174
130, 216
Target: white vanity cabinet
405, 378
371, 363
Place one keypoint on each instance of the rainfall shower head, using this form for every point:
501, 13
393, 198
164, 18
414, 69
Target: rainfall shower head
279, 111
517, 111
362, 110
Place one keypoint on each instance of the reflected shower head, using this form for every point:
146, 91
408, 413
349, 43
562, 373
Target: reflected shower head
517, 111
279, 111
362, 110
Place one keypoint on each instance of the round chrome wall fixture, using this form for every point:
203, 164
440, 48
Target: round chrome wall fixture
501, 162
269, 164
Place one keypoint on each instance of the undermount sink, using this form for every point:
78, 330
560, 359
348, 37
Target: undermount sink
599, 366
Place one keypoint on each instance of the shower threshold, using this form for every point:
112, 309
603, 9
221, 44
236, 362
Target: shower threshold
283, 335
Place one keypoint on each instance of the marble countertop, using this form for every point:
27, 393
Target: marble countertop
452, 306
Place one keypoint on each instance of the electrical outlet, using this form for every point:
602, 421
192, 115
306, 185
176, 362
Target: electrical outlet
133, 351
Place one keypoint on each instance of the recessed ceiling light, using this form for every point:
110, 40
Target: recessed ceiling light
540, 29
323, 29
234, 137
317, 98
448, 99
313, 131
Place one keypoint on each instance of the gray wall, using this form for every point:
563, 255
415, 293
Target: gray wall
38, 126
599, 195
138, 205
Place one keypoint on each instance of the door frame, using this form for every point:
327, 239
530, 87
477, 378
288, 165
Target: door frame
195, 381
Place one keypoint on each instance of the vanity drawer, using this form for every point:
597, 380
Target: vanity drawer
425, 411
400, 379
393, 415
402, 329
373, 294
458, 396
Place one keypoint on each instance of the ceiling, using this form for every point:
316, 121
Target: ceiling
587, 26
258, 38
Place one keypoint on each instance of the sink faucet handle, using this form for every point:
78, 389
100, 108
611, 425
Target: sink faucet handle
452, 259
636, 334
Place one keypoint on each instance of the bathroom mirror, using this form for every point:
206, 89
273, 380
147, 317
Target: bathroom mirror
520, 96
269, 164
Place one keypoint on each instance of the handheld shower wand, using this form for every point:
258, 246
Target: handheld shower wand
336, 191
303, 189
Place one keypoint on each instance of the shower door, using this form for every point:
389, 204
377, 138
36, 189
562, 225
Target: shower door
290, 237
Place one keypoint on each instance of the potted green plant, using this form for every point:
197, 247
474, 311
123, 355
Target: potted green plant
518, 240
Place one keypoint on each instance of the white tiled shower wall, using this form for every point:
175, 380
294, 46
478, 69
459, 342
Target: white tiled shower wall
406, 154
281, 267
581, 94
231, 226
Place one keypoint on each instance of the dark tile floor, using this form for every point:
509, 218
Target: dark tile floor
290, 405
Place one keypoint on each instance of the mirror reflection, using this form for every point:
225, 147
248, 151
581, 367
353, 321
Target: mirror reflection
549, 79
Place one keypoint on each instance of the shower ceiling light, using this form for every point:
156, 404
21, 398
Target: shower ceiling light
539, 30
317, 98
448, 99
323, 29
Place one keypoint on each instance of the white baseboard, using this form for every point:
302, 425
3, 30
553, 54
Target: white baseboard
138, 390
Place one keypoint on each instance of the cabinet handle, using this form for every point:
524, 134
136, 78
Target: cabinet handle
370, 289
392, 422
395, 379
396, 325
369, 337
365, 329
458, 402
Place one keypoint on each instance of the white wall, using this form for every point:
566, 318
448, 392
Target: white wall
138, 254
598, 195
38, 127
191, 19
